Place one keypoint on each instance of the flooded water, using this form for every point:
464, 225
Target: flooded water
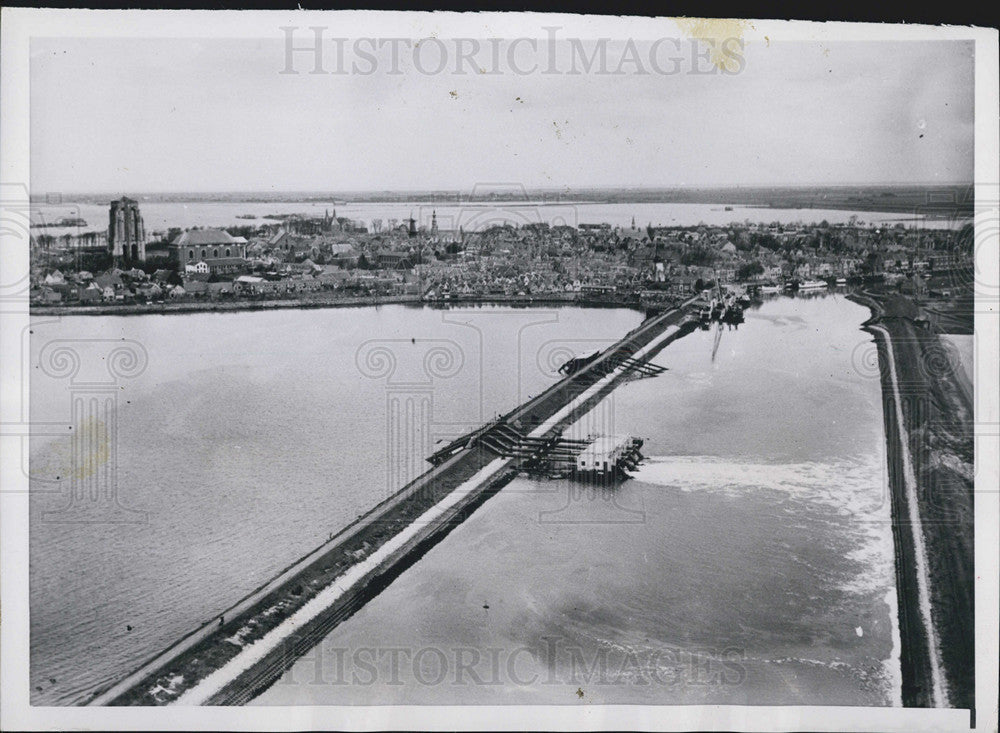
750, 559
243, 441
159, 216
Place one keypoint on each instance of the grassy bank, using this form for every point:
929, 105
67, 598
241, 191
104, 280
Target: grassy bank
938, 420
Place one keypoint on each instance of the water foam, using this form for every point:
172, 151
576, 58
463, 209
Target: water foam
850, 487
856, 489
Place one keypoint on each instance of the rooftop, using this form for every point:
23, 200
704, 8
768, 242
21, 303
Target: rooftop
198, 237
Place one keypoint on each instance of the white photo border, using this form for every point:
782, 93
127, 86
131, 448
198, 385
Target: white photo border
21, 24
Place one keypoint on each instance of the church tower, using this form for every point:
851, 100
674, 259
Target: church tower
126, 233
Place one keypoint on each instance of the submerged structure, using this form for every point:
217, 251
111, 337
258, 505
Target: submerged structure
604, 458
608, 457
722, 307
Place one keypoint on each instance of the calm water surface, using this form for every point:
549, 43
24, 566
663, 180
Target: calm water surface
471, 217
749, 561
247, 439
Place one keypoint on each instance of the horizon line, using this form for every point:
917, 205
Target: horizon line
497, 188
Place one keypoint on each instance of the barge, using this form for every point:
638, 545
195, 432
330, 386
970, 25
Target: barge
607, 457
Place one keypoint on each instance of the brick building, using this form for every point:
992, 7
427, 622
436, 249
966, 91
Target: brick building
215, 247
126, 232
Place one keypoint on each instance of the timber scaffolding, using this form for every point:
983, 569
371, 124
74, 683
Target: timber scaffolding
397, 531
639, 368
604, 456
533, 454
505, 439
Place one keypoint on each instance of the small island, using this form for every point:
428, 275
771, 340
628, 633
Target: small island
66, 221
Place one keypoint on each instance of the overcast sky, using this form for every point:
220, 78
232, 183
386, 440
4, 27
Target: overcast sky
145, 116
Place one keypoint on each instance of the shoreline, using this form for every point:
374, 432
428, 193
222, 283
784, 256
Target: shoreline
932, 503
237, 306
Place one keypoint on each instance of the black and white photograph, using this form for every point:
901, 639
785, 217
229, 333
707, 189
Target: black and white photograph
461, 370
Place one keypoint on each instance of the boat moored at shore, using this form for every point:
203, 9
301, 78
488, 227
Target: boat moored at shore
813, 284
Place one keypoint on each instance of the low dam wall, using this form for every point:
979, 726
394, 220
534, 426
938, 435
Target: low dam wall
930, 446
234, 656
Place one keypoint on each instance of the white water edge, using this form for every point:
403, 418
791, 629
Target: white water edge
939, 687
